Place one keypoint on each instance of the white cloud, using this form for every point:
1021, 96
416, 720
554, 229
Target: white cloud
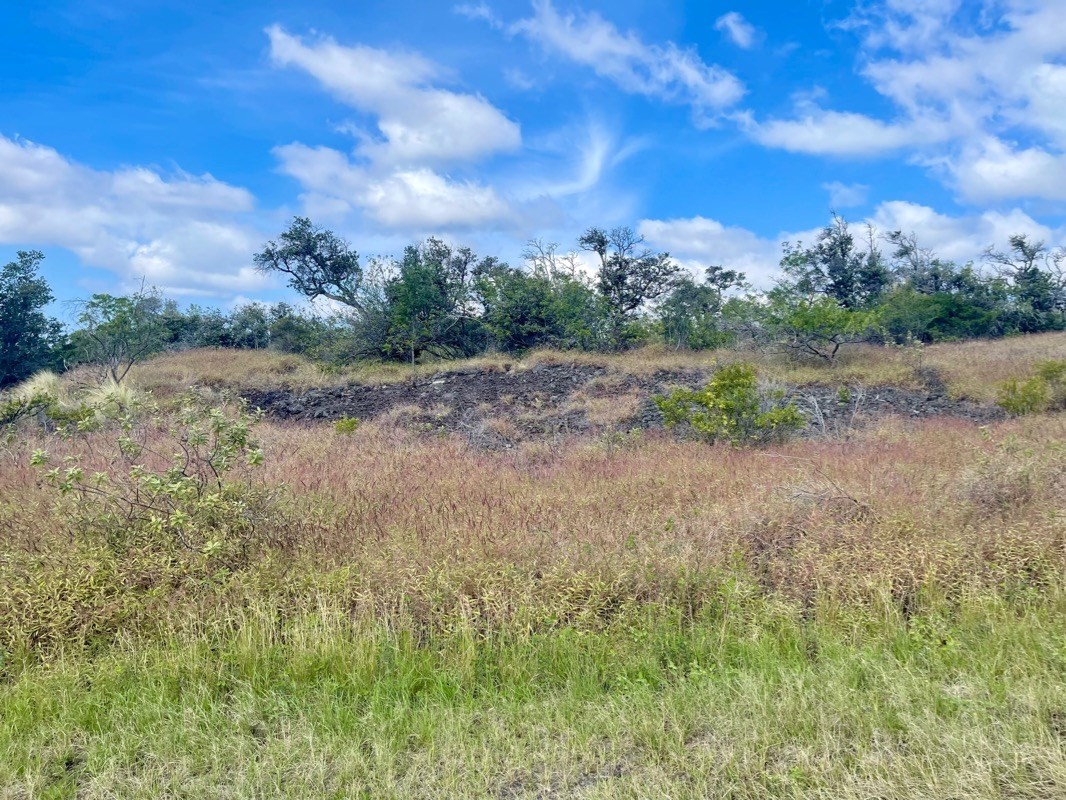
962, 238
995, 170
703, 242
591, 149
664, 72
963, 85
846, 195
741, 32
478, 11
180, 232
699, 242
395, 178
418, 122
842, 133
409, 198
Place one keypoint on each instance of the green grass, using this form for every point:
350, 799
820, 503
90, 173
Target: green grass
754, 699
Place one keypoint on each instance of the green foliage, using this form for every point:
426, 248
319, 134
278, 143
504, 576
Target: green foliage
117, 332
629, 276
178, 483
817, 327
546, 306
15, 408
731, 408
28, 338
346, 426
837, 267
1044, 391
317, 262
691, 315
428, 302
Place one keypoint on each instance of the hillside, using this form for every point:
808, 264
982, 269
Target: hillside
498, 402
489, 588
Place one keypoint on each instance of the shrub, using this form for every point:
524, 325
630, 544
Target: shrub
177, 483
732, 408
1044, 391
346, 426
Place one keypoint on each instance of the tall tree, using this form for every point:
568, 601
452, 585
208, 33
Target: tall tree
690, 316
27, 335
838, 267
629, 274
1035, 273
429, 298
318, 263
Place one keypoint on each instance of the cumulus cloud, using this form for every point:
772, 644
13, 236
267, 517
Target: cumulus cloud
960, 238
661, 71
395, 179
180, 232
699, 241
413, 198
978, 97
993, 169
741, 32
417, 121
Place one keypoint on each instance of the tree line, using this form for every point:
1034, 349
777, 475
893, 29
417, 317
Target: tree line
441, 301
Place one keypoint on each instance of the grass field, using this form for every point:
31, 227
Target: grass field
410, 616
970, 369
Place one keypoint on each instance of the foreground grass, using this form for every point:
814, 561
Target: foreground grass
749, 700
880, 617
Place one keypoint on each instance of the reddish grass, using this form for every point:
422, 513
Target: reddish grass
577, 532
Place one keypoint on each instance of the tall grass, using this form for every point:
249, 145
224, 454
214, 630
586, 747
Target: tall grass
876, 617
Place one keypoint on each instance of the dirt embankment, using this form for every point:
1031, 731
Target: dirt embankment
499, 407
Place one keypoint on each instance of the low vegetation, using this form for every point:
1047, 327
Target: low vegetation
198, 601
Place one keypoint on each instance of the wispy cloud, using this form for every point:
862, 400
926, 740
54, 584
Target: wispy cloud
741, 32
664, 71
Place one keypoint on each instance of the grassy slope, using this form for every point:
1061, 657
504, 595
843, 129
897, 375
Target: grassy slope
881, 617
970, 369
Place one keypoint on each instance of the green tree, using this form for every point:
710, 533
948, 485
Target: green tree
838, 267
117, 332
519, 309
817, 326
430, 301
629, 276
318, 263
1037, 281
28, 338
691, 315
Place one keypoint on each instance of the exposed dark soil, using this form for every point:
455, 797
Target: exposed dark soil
497, 408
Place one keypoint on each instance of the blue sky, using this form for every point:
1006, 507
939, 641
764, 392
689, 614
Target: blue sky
163, 141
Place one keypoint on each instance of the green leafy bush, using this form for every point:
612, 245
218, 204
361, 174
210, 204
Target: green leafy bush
180, 483
346, 426
1044, 391
732, 408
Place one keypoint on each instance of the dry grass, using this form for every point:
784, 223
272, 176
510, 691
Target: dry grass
877, 617
578, 530
974, 369
172, 373
970, 369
